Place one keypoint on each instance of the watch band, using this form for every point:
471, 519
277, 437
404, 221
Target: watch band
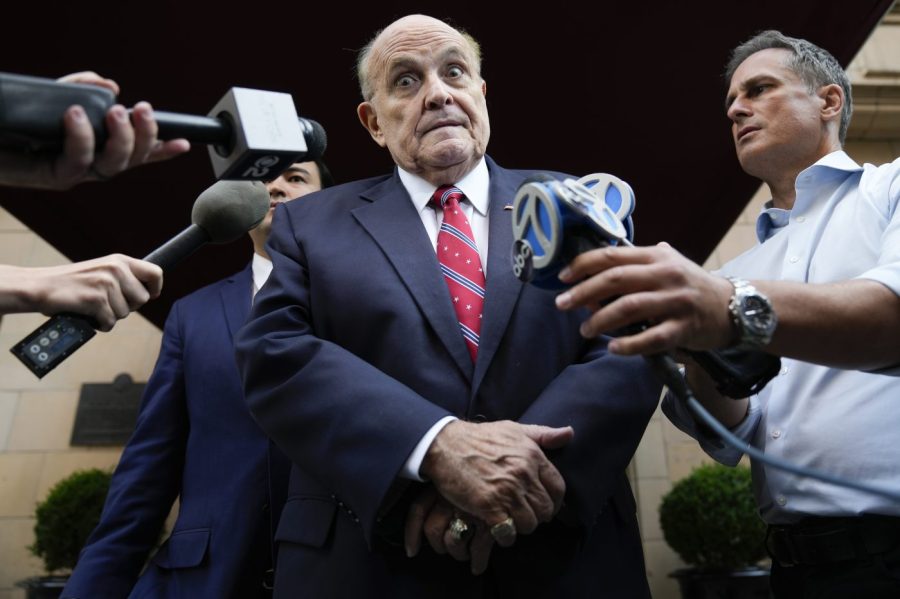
752, 315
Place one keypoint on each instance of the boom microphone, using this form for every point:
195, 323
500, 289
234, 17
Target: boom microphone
221, 214
251, 134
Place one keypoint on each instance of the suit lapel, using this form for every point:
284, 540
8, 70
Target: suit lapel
503, 287
393, 223
236, 294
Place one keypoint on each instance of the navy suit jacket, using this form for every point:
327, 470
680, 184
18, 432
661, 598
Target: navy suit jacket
353, 351
194, 440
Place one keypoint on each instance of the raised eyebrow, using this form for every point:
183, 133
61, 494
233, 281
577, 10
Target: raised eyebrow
400, 64
456, 54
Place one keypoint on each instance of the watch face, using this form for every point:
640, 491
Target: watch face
758, 314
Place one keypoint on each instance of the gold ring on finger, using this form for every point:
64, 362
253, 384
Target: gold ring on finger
458, 528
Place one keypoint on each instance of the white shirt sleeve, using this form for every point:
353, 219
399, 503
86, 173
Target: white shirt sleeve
414, 462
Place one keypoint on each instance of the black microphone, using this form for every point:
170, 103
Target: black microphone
251, 134
554, 221
221, 214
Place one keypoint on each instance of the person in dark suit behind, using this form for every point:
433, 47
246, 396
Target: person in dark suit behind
195, 440
461, 444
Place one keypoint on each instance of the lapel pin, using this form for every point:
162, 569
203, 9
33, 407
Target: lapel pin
507, 207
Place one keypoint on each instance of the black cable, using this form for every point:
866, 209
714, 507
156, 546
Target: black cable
667, 369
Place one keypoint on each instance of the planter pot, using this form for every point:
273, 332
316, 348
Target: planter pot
43, 587
741, 583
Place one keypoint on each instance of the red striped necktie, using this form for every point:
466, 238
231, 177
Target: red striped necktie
460, 264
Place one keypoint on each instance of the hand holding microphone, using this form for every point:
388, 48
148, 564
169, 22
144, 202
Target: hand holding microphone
251, 134
77, 156
653, 297
221, 214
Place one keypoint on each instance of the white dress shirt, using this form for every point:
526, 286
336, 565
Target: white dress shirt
475, 186
844, 225
261, 267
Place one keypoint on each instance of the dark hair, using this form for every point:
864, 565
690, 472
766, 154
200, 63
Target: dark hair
814, 65
324, 173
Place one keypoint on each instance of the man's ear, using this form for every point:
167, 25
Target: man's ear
369, 120
833, 99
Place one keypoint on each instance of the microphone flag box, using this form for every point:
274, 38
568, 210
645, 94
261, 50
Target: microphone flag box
266, 134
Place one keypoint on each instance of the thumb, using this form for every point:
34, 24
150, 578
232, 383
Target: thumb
549, 437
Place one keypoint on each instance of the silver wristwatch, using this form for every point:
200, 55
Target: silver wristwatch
752, 315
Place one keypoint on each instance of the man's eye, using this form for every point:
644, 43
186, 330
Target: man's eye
455, 71
297, 179
405, 81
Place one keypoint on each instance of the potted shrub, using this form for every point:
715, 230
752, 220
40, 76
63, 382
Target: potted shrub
711, 521
63, 522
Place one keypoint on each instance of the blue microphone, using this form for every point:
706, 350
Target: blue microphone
554, 221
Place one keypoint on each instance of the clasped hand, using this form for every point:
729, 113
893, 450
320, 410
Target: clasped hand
486, 474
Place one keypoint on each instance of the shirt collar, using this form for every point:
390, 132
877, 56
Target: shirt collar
772, 219
262, 268
475, 185
837, 160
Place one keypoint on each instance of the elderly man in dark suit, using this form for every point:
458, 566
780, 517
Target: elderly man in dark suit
431, 403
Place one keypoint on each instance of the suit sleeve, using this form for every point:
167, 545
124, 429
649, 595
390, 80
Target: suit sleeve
344, 422
144, 485
608, 400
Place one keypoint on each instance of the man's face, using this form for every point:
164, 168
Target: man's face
298, 180
777, 124
428, 105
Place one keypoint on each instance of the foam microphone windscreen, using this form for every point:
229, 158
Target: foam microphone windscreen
228, 209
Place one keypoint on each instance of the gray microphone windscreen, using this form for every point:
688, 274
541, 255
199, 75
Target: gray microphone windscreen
228, 209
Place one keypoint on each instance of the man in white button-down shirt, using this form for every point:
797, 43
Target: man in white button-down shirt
828, 266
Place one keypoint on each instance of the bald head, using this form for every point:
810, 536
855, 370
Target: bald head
425, 98
402, 26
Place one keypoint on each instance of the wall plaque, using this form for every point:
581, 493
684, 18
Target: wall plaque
107, 412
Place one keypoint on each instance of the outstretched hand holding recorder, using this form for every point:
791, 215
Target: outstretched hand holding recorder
222, 213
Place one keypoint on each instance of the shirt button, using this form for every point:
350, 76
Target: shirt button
794, 259
776, 433
800, 219
781, 500
783, 371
